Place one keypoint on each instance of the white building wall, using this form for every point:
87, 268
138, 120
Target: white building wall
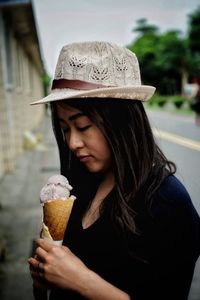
17, 90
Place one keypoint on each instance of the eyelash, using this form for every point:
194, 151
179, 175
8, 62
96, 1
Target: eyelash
66, 130
84, 128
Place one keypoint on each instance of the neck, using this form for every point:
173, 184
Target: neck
108, 180
92, 214
105, 186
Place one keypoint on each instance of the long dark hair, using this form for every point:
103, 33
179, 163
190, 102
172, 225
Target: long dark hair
139, 165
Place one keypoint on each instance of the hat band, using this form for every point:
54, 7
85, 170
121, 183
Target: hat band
76, 85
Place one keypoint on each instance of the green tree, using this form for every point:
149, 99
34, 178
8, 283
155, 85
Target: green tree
174, 60
145, 48
143, 28
164, 58
46, 83
194, 31
194, 43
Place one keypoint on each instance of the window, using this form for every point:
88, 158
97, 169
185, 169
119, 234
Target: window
8, 55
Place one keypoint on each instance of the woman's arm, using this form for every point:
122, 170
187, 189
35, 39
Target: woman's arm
95, 287
61, 268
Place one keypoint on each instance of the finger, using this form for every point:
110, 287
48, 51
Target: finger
33, 271
41, 253
37, 271
38, 275
44, 244
41, 267
33, 262
35, 274
35, 266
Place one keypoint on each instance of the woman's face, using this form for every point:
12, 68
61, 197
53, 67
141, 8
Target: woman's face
84, 139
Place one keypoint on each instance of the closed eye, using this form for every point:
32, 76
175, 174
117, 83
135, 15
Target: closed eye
67, 129
84, 128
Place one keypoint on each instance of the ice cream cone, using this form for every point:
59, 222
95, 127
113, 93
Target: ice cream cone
45, 234
56, 215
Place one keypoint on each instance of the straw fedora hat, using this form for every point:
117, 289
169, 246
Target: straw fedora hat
97, 70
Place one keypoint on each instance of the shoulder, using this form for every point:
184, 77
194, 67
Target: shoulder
173, 192
173, 185
172, 205
170, 201
174, 213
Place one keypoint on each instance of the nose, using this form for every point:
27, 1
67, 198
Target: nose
75, 141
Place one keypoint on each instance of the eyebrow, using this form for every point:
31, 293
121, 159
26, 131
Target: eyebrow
73, 117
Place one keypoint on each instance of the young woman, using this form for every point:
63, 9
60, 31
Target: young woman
133, 232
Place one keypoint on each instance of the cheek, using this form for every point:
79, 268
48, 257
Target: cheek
102, 148
105, 150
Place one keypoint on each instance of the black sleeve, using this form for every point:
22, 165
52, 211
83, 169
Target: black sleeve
39, 295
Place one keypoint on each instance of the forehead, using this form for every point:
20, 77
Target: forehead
65, 110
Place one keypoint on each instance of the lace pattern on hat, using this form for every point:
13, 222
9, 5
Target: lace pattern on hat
103, 63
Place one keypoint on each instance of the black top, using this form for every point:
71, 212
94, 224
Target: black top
157, 263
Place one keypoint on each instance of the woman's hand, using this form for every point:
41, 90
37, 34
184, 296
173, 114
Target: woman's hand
58, 266
38, 283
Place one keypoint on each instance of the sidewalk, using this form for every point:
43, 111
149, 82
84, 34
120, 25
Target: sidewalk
20, 214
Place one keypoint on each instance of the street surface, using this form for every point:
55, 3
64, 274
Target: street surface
186, 158
20, 215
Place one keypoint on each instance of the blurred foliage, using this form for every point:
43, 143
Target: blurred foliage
46, 83
159, 100
194, 31
176, 101
168, 60
194, 41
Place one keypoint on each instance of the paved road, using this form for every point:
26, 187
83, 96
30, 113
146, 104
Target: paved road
20, 215
186, 158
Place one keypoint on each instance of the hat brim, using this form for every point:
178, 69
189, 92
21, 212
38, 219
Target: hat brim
140, 92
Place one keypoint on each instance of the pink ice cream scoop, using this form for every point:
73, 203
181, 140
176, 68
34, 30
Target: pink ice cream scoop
57, 187
57, 205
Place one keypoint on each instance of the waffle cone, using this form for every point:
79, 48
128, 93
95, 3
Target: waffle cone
56, 216
45, 234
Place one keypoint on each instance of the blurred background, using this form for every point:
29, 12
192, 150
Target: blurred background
165, 35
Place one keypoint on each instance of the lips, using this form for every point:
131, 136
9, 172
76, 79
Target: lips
84, 158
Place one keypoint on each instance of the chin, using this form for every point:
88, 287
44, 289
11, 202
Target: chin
94, 168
